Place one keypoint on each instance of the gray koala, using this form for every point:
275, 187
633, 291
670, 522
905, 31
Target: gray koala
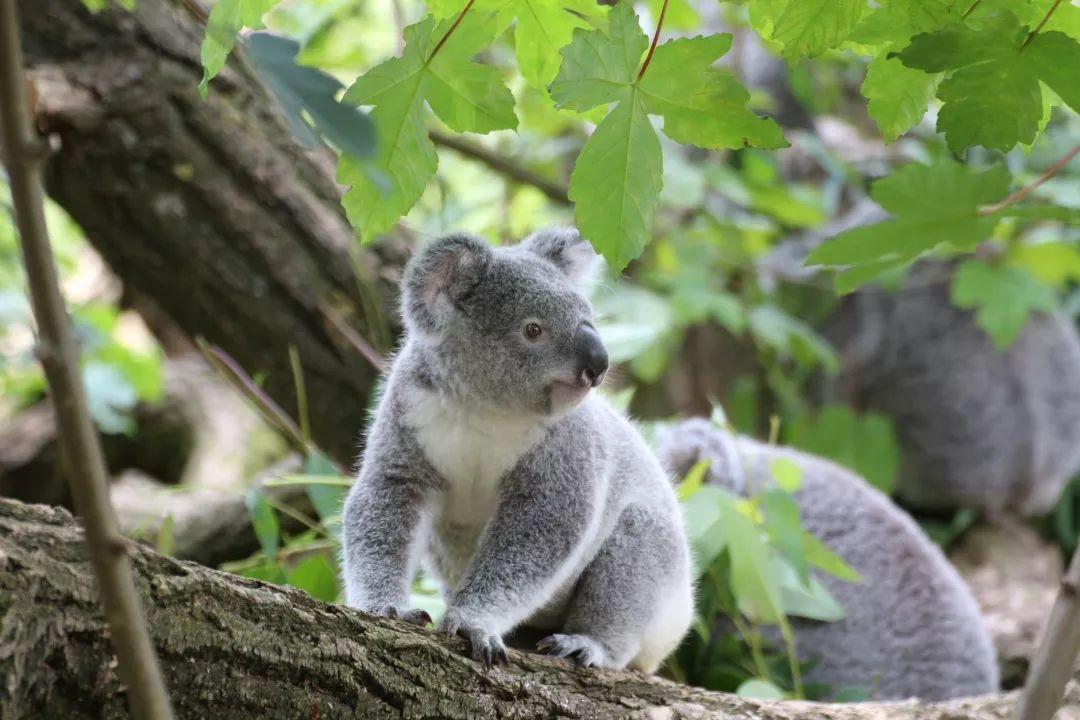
912, 628
978, 427
531, 500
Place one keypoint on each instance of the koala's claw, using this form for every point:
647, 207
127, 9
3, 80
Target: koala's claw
487, 647
582, 649
414, 617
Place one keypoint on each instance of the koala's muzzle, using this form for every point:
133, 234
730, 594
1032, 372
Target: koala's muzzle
591, 355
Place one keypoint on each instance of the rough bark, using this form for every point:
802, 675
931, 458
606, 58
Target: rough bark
208, 207
238, 648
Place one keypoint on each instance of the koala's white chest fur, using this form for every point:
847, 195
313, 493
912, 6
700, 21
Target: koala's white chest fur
472, 450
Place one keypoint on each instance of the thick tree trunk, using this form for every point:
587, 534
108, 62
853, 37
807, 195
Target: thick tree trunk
208, 207
238, 648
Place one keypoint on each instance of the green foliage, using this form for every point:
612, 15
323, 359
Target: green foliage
308, 97
931, 204
315, 576
865, 443
618, 176
227, 18
754, 561
264, 520
897, 95
435, 67
997, 79
993, 96
806, 28
1002, 297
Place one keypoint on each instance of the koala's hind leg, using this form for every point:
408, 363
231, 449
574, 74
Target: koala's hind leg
632, 604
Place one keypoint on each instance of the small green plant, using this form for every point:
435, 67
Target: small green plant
754, 563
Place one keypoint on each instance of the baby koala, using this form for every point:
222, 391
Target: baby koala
532, 501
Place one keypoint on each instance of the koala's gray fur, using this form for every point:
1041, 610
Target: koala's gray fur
534, 503
912, 628
978, 427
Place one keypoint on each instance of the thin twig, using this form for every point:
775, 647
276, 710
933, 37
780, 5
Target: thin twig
270, 411
1053, 661
58, 353
450, 31
554, 191
362, 346
655, 39
301, 393
1046, 19
1030, 188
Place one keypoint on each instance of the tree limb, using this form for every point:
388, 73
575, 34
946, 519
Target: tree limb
234, 648
554, 191
59, 357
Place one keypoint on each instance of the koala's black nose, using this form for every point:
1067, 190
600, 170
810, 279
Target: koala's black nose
591, 356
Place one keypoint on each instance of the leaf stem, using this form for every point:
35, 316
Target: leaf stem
971, 9
1046, 19
655, 39
1028, 189
444, 38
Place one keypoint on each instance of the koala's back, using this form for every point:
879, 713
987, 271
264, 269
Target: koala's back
978, 427
912, 628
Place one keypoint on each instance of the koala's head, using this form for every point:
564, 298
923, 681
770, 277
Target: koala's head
511, 326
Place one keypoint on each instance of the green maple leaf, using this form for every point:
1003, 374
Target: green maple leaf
805, 28
617, 179
467, 96
227, 18
701, 106
1002, 296
931, 205
898, 95
896, 21
541, 29
993, 97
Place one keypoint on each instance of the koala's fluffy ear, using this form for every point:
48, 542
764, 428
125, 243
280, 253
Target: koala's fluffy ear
439, 276
568, 251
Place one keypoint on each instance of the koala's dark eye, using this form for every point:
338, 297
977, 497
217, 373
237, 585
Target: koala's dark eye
533, 331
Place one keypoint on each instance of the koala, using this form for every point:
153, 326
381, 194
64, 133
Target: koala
912, 628
526, 495
978, 427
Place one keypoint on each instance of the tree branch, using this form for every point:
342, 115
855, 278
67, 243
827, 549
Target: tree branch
1031, 187
1053, 662
500, 164
236, 649
59, 357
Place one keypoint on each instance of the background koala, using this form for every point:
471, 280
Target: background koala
530, 499
912, 628
978, 427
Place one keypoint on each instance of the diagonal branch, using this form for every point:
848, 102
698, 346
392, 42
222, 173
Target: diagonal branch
500, 164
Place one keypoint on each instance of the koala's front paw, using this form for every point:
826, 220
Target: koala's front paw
487, 646
582, 649
415, 617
